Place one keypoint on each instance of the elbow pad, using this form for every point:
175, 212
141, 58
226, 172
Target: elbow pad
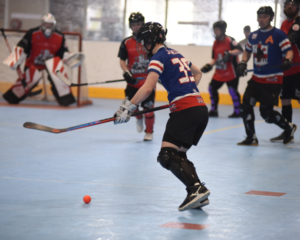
16, 58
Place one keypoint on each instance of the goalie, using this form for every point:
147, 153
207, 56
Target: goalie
42, 47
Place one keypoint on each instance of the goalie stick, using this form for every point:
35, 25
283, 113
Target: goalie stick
40, 127
70, 84
20, 74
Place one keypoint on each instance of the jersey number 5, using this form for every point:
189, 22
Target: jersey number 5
183, 67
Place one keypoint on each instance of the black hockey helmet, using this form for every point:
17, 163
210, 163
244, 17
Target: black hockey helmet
297, 2
222, 25
136, 17
150, 34
266, 10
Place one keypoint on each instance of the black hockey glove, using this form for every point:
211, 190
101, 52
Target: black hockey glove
129, 79
241, 69
226, 56
206, 68
286, 65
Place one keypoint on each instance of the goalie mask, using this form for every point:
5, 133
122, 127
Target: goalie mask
150, 34
48, 25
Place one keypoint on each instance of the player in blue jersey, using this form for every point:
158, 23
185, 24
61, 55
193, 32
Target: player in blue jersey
189, 114
268, 45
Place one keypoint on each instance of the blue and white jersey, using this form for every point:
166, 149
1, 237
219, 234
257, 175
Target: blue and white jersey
176, 76
268, 48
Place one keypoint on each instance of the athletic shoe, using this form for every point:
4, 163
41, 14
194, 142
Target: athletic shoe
140, 124
234, 115
279, 139
289, 134
213, 113
202, 204
249, 141
195, 195
148, 137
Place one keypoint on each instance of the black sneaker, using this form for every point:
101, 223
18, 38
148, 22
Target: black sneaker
289, 134
213, 113
202, 204
279, 139
249, 141
195, 195
234, 115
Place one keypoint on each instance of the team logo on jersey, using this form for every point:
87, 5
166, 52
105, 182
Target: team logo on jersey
269, 39
140, 65
260, 53
42, 57
254, 36
200, 100
296, 27
172, 107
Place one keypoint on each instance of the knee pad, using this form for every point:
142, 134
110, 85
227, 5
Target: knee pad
212, 90
149, 115
182, 168
148, 105
234, 93
268, 114
246, 111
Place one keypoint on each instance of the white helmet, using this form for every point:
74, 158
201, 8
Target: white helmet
47, 20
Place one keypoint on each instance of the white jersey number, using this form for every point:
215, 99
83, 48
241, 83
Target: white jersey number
183, 67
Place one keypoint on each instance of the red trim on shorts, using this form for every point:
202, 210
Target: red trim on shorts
186, 102
269, 80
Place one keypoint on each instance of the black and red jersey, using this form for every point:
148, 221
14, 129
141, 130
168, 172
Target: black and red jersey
39, 48
293, 28
225, 71
137, 64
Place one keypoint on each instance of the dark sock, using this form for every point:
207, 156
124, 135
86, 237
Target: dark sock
287, 112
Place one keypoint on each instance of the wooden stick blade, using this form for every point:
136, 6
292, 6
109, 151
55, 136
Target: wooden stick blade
40, 127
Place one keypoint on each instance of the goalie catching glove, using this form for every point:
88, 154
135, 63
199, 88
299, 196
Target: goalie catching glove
124, 112
129, 78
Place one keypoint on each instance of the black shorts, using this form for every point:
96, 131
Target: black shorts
266, 94
291, 87
148, 102
185, 128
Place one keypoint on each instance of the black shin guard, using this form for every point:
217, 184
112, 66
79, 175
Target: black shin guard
182, 168
247, 113
272, 116
287, 112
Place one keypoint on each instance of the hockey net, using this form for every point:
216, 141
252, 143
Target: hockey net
76, 75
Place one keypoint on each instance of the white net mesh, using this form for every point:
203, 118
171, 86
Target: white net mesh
76, 75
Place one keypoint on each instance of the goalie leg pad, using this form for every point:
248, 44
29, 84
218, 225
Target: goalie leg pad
61, 91
182, 168
17, 92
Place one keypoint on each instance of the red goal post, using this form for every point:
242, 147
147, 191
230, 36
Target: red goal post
76, 75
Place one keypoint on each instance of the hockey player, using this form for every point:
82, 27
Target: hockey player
134, 68
43, 47
267, 44
291, 78
188, 117
224, 56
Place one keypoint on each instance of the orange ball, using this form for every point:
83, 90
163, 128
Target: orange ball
87, 199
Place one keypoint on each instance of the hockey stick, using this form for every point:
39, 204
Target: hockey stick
40, 127
70, 84
20, 74
259, 69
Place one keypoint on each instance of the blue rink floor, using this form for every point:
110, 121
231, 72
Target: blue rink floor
44, 177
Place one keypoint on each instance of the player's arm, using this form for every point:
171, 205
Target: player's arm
246, 56
197, 74
123, 65
146, 89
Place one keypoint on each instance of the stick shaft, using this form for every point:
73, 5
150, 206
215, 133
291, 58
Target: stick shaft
40, 127
258, 69
94, 83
